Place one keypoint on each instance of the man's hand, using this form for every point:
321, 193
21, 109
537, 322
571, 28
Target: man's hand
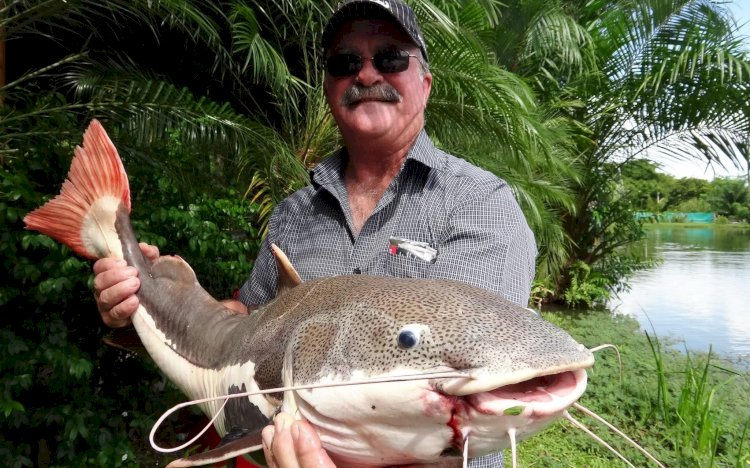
289, 443
115, 285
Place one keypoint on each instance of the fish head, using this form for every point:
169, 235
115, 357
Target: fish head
509, 369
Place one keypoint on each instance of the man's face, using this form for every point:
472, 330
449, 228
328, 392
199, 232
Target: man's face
365, 104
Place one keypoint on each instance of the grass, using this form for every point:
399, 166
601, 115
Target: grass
686, 409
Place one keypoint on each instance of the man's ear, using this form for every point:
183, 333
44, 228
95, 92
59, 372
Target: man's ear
427, 86
326, 86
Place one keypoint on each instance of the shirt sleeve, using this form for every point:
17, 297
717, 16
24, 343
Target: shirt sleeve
488, 243
261, 287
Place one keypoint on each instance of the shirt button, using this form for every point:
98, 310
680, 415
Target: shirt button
357, 271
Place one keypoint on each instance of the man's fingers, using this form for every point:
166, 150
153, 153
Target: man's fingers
150, 251
235, 306
114, 290
112, 277
283, 445
121, 314
111, 294
293, 444
267, 435
104, 264
115, 285
310, 452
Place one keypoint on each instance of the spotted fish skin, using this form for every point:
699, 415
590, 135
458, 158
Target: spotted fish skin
341, 325
331, 330
347, 328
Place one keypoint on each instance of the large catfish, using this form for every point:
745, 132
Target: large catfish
484, 369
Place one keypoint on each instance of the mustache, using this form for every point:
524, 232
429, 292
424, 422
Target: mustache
378, 92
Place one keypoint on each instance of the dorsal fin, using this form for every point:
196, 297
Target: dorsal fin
288, 276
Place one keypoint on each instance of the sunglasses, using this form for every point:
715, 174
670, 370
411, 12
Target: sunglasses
391, 61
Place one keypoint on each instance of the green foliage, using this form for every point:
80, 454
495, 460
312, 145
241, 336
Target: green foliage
540, 293
66, 397
664, 79
730, 197
647, 189
721, 220
545, 94
630, 396
693, 205
688, 190
586, 287
690, 408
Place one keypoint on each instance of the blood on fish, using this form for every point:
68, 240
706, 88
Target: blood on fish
458, 415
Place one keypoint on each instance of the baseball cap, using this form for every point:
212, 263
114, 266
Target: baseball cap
392, 10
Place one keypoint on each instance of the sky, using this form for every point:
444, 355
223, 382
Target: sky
679, 169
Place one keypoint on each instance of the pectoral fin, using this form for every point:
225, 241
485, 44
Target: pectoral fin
249, 443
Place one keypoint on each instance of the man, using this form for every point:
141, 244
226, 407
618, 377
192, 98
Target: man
389, 202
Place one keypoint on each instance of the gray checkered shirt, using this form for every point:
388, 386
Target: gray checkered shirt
467, 214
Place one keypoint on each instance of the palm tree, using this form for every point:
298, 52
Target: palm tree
231, 105
641, 78
489, 115
730, 197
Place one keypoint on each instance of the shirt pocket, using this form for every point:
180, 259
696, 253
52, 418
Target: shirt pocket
409, 258
402, 266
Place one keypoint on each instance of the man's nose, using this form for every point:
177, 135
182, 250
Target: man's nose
369, 74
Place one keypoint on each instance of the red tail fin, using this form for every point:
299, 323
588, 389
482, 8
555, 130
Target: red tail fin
96, 184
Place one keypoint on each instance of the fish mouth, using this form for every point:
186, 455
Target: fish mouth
544, 395
486, 412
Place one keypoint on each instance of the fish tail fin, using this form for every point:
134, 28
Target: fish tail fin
83, 215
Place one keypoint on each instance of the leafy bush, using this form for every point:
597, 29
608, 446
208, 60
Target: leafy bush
719, 219
679, 218
67, 399
541, 291
693, 205
741, 212
586, 286
728, 195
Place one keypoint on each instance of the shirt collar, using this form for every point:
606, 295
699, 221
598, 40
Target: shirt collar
330, 171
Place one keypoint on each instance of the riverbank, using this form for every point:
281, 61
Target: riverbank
719, 226
683, 411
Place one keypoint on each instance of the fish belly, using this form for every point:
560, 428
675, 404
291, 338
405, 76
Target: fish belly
379, 424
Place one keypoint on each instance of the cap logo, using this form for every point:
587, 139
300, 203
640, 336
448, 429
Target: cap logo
383, 3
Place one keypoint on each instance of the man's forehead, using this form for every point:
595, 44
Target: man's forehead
380, 31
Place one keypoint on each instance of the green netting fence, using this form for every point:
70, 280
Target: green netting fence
677, 217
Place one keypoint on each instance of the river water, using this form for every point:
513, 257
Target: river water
699, 293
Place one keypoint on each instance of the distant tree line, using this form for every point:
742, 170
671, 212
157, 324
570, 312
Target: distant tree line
657, 192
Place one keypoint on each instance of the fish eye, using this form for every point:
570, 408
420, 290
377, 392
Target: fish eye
408, 338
